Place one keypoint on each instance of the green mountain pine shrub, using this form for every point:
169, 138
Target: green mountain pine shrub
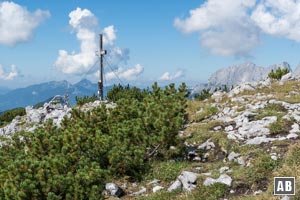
75, 160
9, 115
278, 73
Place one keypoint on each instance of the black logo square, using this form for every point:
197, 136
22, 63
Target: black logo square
284, 185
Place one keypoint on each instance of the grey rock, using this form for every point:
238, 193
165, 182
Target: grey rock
241, 161
233, 156
295, 128
157, 188
198, 168
241, 88
223, 169
114, 189
228, 128
293, 93
197, 159
36, 117
33, 115
274, 157
217, 96
207, 145
259, 140
292, 136
155, 181
236, 158
256, 128
188, 180
265, 83
223, 178
209, 181
257, 192
189, 177
224, 150
172, 147
286, 77
226, 110
13, 127
217, 128
206, 174
30, 129
141, 191
176, 185
238, 100
285, 198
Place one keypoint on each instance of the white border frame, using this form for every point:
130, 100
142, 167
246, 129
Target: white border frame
284, 177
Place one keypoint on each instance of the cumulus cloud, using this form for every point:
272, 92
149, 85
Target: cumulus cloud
109, 35
233, 27
225, 26
129, 74
84, 24
168, 77
279, 18
17, 24
13, 73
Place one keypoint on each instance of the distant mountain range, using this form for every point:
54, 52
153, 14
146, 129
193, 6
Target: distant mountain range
4, 90
34, 94
31, 95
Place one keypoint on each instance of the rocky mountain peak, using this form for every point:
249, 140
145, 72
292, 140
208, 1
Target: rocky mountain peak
241, 73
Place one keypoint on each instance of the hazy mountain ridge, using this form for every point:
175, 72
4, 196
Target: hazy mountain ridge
33, 94
4, 90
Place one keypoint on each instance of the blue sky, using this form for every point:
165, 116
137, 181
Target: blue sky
164, 41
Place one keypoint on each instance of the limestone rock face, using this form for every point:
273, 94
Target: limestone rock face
36, 117
242, 73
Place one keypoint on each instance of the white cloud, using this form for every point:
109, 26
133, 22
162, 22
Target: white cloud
109, 35
85, 24
279, 18
233, 27
168, 77
225, 27
17, 23
129, 74
8, 75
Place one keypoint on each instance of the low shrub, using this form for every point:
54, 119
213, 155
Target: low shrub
9, 115
86, 99
278, 73
204, 94
280, 126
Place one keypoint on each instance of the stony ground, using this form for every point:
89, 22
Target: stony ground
235, 142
